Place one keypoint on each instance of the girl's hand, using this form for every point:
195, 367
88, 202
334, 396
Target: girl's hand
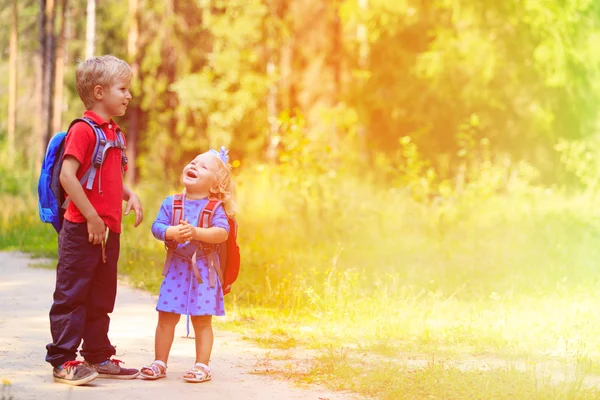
176, 233
185, 231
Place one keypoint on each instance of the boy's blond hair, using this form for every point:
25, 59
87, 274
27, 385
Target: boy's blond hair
103, 71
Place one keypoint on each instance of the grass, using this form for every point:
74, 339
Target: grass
21, 228
372, 376
391, 380
395, 299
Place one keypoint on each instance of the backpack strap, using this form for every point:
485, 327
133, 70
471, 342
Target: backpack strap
205, 221
102, 146
205, 218
100, 149
177, 214
85, 178
121, 143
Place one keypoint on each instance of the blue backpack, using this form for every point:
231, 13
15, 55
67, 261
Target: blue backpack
51, 202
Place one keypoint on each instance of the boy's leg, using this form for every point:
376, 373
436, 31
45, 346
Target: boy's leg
100, 302
97, 348
77, 260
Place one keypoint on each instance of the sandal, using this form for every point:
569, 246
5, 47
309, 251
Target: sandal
198, 373
154, 371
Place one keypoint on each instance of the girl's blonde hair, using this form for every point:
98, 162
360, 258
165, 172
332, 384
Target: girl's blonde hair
224, 189
103, 71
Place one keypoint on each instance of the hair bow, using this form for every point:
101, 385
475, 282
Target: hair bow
223, 154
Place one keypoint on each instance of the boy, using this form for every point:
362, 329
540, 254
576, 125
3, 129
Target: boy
88, 243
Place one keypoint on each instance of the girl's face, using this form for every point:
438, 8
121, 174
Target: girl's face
200, 175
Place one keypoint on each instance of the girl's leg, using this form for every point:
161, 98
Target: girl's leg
204, 337
165, 332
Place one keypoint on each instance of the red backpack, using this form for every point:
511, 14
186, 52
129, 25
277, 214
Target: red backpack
228, 251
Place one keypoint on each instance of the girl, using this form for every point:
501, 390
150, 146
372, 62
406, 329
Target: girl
185, 291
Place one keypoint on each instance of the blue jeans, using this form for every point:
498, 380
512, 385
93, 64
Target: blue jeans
85, 293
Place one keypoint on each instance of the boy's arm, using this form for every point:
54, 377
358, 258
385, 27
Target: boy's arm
133, 202
69, 181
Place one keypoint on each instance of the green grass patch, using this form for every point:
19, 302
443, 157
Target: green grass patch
21, 229
393, 380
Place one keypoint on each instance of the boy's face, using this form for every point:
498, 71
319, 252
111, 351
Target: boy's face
201, 174
113, 99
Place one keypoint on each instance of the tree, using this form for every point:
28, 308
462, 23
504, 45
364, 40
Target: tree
133, 112
61, 52
312, 62
273, 54
12, 79
45, 77
48, 68
90, 31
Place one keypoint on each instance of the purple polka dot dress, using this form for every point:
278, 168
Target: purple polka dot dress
180, 292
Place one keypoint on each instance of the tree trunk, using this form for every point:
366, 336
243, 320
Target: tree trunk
40, 122
286, 62
362, 35
49, 69
133, 112
170, 64
273, 138
90, 32
363, 60
274, 53
336, 65
336, 32
60, 68
12, 80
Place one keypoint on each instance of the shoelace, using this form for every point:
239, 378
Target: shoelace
116, 362
71, 364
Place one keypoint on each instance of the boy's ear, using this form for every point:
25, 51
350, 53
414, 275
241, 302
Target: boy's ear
98, 92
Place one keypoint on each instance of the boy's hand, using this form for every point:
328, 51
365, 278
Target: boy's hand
96, 230
135, 204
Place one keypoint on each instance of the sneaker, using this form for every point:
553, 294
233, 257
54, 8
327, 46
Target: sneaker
112, 370
74, 373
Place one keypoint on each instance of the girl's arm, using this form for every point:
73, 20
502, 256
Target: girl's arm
162, 223
161, 227
217, 233
210, 235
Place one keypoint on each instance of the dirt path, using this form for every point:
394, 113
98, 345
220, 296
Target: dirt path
25, 299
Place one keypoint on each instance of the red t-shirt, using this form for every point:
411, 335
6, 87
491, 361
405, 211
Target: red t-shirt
80, 143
